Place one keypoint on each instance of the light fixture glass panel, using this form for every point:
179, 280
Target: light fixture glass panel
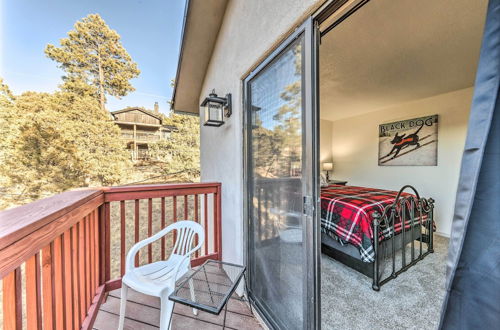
215, 111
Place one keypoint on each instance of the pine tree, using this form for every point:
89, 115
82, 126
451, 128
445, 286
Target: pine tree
6, 96
9, 126
181, 150
95, 61
58, 142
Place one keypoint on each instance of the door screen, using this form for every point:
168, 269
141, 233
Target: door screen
275, 181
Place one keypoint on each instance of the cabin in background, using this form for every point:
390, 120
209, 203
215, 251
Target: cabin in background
139, 128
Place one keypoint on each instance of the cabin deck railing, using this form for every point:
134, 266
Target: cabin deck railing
141, 136
60, 255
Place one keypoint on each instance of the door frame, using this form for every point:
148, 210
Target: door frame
311, 236
312, 229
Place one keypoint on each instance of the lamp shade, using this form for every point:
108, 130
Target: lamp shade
327, 166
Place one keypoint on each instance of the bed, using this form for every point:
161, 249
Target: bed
352, 216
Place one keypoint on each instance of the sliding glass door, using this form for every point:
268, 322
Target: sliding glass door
279, 167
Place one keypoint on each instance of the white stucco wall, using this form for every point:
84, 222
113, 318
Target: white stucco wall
355, 151
249, 30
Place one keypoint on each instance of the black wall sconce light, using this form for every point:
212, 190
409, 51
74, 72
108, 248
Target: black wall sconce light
215, 109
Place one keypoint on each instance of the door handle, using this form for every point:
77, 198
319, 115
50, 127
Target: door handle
308, 206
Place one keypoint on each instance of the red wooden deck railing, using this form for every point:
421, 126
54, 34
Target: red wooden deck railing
65, 252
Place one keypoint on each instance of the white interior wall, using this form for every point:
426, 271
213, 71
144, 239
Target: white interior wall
325, 147
354, 143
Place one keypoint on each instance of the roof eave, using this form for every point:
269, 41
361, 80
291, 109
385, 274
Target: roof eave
147, 112
197, 44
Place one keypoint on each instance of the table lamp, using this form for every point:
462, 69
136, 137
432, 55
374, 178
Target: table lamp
327, 167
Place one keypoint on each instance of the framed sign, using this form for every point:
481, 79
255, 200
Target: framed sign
411, 142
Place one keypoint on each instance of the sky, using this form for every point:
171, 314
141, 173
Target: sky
150, 31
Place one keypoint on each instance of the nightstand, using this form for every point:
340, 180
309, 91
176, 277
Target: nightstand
339, 182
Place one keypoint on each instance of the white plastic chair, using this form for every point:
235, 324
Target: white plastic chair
158, 278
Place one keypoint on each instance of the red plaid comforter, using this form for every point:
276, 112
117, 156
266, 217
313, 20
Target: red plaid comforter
346, 215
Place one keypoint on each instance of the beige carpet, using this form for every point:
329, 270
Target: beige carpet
411, 301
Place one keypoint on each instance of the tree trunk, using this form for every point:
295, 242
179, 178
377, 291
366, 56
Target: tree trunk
102, 99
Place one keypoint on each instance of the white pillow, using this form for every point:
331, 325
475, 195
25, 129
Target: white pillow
322, 180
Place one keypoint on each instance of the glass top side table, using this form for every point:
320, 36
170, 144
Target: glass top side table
213, 283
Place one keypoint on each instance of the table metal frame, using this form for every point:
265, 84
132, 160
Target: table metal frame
210, 309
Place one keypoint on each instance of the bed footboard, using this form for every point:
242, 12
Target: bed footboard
408, 215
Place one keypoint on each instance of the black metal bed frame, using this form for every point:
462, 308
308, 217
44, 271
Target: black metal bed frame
387, 220
421, 230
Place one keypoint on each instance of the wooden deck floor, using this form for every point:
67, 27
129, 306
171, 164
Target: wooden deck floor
143, 313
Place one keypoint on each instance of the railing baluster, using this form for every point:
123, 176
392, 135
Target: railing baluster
122, 238
88, 272
259, 213
107, 243
266, 208
76, 277
12, 301
174, 206
136, 229
58, 283
205, 216
96, 249
162, 226
90, 258
81, 268
217, 223
197, 254
68, 279
33, 296
48, 287
186, 213
93, 255
101, 223
150, 229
